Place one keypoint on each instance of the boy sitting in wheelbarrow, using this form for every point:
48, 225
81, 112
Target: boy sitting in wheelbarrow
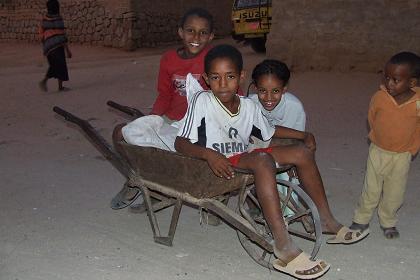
217, 128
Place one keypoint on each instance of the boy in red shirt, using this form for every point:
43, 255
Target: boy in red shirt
196, 32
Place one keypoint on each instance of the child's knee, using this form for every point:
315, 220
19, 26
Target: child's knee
304, 155
264, 161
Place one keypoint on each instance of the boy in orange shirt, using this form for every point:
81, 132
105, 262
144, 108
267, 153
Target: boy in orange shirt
394, 119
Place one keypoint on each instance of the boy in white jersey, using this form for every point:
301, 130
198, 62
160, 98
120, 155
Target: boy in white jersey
217, 128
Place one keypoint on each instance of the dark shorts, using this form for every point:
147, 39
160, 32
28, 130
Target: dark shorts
234, 160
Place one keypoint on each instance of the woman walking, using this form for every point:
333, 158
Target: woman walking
55, 48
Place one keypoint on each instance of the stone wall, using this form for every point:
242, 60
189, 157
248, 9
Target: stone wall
94, 22
127, 24
158, 22
19, 20
342, 35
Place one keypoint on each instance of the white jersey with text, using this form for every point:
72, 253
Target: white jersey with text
209, 123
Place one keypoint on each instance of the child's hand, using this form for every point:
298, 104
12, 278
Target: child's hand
309, 141
219, 164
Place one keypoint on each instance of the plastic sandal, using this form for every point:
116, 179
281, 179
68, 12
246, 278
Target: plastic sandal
121, 201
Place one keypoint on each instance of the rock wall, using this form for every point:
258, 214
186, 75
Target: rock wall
94, 22
158, 22
19, 20
126, 24
342, 35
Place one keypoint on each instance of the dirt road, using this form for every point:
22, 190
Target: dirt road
55, 220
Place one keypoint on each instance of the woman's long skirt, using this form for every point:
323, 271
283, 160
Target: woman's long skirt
58, 66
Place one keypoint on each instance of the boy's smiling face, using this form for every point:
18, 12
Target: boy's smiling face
398, 80
270, 90
223, 79
195, 35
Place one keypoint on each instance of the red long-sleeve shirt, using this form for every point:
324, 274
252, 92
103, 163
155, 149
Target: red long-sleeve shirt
171, 100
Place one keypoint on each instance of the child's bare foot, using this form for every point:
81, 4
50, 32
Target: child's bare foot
287, 253
391, 232
331, 227
361, 227
43, 85
63, 89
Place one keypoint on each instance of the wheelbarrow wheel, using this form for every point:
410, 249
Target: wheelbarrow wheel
302, 220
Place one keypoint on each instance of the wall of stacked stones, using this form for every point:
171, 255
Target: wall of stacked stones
127, 24
157, 21
343, 35
95, 22
19, 20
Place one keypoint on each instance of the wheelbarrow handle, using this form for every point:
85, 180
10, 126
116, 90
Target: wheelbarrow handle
126, 109
68, 116
103, 146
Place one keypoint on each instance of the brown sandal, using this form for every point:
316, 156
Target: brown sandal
302, 267
342, 236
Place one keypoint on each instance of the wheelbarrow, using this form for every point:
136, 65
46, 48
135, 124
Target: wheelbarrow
173, 180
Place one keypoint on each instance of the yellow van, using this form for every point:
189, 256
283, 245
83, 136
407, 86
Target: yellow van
251, 22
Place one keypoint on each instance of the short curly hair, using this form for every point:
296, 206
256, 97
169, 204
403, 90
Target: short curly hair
223, 51
199, 12
410, 59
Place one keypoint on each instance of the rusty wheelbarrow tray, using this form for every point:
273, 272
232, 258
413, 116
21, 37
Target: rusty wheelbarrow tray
174, 179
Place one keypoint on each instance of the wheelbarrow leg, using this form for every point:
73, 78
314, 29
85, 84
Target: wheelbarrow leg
172, 228
165, 240
159, 202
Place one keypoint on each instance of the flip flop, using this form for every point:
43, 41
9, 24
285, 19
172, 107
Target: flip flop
340, 237
121, 201
301, 264
391, 232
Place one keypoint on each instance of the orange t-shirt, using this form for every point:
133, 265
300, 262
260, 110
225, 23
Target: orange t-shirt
394, 127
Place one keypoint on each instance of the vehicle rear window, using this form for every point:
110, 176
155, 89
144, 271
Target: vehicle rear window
242, 4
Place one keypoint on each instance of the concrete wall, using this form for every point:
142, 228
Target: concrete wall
127, 24
342, 35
